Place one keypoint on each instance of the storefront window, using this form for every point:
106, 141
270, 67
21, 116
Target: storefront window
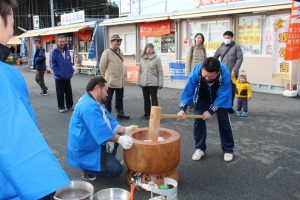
69, 41
128, 45
163, 44
84, 46
255, 34
50, 45
249, 34
212, 31
168, 44
156, 41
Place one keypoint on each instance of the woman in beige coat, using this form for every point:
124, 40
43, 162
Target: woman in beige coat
150, 78
195, 54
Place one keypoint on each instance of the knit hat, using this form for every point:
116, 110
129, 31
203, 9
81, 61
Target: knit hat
243, 73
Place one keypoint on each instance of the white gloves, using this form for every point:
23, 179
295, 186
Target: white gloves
125, 141
129, 129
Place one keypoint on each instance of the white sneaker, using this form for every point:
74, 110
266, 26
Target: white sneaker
228, 157
198, 154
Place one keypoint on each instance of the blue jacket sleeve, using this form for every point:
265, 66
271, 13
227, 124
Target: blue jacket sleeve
93, 119
224, 94
24, 154
189, 89
53, 63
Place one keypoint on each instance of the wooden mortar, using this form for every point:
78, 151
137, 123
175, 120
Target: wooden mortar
154, 157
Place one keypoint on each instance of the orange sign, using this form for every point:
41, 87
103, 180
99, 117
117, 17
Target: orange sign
132, 73
85, 35
292, 51
155, 28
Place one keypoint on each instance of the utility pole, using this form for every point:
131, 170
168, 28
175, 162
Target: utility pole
166, 5
52, 13
140, 7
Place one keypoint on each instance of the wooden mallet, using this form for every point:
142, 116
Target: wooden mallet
156, 116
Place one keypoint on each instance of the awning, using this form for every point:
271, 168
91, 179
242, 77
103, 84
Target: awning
133, 20
14, 40
233, 10
32, 33
64, 30
59, 29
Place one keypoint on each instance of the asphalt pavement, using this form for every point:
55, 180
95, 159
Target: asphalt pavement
266, 161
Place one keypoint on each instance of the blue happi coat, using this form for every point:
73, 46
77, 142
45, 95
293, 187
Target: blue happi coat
219, 95
28, 169
87, 131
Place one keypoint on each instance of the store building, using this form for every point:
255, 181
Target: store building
252, 21
79, 35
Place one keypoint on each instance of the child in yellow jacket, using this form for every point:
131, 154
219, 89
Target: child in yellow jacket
243, 93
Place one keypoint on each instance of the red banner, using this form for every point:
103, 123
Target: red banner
155, 28
48, 38
85, 35
292, 50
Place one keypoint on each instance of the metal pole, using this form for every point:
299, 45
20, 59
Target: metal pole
166, 5
140, 7
52, 13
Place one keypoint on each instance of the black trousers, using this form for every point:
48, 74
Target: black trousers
200, 131
233, 93
119, 99
39, 78
149, 91
64, 90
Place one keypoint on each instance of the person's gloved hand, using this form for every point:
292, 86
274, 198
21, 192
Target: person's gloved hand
129, 129
125, 141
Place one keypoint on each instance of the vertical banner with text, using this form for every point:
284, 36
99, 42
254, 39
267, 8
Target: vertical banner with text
292, 51
281, 69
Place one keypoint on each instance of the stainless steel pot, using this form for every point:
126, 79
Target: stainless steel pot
112, 194
77, 190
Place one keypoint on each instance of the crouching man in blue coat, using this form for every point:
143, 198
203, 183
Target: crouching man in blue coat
91, 130
209, 88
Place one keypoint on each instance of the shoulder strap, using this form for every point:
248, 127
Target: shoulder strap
226, 52
192, 52
116, 54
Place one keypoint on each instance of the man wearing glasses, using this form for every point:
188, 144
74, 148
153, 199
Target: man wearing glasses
112, 68
209, 88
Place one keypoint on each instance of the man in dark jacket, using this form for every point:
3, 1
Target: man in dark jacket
208, 88
232, 56
40, 65
63, 71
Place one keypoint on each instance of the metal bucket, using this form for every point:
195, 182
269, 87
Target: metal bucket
77, 190
112, 194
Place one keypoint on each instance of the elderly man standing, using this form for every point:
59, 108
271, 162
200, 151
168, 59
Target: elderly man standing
62, 68
28, 168
112, 68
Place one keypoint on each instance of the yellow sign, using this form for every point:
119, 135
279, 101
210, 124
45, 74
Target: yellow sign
281, 76
284, 67
283, 37
282, 52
